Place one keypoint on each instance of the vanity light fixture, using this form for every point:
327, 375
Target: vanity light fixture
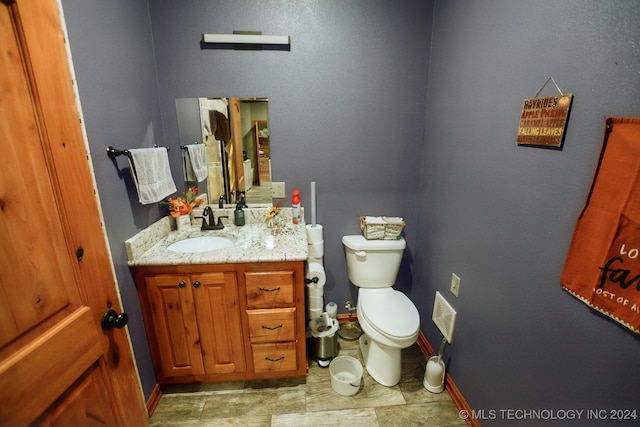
245, 38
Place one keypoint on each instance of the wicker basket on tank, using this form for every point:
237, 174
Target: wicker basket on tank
389, 229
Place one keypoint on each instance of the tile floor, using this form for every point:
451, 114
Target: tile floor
311, 401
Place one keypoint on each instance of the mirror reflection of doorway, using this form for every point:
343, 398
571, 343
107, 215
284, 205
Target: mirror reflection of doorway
245, 158
256, 150
259, 194
260, 188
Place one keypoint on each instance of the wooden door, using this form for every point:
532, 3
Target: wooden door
173, 320
57, 366
236, 158
218, 312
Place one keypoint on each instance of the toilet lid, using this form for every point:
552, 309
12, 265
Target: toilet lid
389, 311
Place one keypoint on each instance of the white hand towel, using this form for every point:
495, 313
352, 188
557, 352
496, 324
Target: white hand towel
187, 170
198, 157
374, 220
393, 219
151, 173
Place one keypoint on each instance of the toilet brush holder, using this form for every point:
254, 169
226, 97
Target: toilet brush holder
434, 375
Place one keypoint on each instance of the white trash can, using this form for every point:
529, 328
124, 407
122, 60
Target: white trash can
346, 375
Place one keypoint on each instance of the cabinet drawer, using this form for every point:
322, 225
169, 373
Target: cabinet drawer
269, 289
274, 357
278, 324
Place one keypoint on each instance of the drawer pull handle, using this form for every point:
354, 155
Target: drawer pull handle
270, 290
271, 328
274, 360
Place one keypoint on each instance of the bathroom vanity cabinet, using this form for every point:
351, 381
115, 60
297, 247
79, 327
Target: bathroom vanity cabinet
224, 322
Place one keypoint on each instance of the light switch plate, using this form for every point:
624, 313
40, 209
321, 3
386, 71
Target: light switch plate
277, 190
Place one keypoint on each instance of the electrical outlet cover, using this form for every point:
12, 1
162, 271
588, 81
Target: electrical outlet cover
444, 316
455, 284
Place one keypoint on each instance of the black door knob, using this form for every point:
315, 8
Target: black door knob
111, 320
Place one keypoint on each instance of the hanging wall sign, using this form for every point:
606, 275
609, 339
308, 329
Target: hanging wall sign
543, 121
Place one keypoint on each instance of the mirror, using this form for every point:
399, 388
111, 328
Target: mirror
235, 133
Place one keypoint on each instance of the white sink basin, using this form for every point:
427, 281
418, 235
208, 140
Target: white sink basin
202, 244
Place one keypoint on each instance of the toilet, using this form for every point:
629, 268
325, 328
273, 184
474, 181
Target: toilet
389, 320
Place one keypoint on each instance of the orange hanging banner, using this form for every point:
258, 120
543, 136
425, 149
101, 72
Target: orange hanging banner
602, 267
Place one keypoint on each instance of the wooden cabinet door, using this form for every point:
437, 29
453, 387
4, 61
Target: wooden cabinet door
170, 297
218, 313
57, 366
272, 325
275, 357
270, 289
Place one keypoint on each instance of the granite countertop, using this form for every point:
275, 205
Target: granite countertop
149, 246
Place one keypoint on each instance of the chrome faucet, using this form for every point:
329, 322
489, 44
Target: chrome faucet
211, 224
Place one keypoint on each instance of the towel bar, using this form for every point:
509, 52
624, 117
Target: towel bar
184, 147
114, 152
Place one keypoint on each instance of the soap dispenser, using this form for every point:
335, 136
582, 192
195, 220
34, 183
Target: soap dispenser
239, 213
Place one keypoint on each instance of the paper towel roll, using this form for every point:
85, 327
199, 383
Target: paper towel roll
316, 250
316, 270
314, 233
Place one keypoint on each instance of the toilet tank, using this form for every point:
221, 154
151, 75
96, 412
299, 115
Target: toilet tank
373, 263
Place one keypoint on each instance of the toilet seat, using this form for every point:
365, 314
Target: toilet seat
389, 312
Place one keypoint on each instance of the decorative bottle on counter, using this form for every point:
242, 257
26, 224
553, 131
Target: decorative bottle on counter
295, 205
239, 213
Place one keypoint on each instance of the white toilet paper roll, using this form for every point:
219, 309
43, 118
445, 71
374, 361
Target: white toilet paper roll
314, 303
318, 260
314, 233
315, 292
316, 249
316, 270
314, 313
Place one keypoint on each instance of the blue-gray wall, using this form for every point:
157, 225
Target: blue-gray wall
112, 52
346, 104
502, 216
403, 108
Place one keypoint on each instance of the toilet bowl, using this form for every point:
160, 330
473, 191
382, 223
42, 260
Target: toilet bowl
390, 322
388, 318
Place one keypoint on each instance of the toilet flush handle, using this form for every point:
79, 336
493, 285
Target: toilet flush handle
361, 254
